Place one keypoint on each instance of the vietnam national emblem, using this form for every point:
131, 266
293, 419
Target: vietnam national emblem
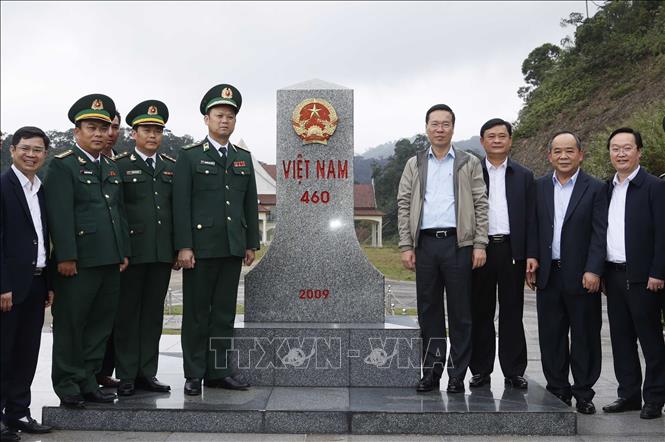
314, 120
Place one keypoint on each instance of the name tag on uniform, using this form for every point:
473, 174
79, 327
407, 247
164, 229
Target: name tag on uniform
208, 163
134, 172
86, 172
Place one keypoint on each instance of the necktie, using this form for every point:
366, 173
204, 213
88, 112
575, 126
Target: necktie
149, 163
222, 152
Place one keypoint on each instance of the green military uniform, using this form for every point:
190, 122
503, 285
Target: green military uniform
216, 215
147, 199
87, 225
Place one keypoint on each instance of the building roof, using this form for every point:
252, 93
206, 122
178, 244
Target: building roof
271, 169
363, 196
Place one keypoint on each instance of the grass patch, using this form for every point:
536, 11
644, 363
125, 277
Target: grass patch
387, 260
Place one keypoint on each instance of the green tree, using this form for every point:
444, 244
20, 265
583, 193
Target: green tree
537, 66
387, 177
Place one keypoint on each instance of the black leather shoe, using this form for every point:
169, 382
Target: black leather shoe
152, 384
566, 400
429, 382
7, 435
516, 382
478, 380
455, 386
72, 401
193, 386
229, 382
585, 407
28, 426
651, 410
99, 397
107, 381
126, 388
621, 405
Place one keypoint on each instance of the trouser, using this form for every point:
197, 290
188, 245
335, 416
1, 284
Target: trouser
441, 264
500, 269
558, 313
108, 362
210, 291
634, 314
21, 336
138, 324
84, 310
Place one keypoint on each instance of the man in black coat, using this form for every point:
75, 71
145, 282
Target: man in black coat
25, 291
512, 228
635, 276
571, 216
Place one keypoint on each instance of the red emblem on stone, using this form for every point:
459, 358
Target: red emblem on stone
314, 120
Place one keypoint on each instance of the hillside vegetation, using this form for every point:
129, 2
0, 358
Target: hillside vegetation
611, 73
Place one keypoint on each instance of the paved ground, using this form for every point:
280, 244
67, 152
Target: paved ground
599, 427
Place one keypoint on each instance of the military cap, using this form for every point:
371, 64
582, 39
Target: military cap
92, 107
152, 112
221, 94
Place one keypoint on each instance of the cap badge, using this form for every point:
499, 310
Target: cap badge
227, 93
314, 120
97, 104
152, 110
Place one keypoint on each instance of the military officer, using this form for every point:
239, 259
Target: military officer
147, 181
90, 246
216, 230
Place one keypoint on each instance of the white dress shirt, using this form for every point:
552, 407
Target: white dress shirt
30, 191
145, 157
90, 157
616, 219
499, 223
562, 194
218, 145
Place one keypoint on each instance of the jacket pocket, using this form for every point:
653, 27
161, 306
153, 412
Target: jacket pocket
136, 229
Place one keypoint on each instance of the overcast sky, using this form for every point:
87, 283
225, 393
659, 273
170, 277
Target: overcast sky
399, 57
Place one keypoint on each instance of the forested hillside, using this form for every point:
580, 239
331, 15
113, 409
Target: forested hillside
609, 73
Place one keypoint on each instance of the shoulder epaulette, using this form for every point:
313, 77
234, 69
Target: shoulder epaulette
241, 148
166, 157
121, 155
189, 146
64, 154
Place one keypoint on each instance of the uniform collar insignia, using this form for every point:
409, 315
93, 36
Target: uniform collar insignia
206, 146
81, 160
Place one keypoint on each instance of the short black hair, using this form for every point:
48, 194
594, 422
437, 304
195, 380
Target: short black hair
626, 130
563, 132
116, 114
28, 132
496, 122
438, 107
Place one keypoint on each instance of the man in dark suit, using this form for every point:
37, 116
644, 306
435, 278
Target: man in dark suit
635, 276
26, 290
511, 195
571, 217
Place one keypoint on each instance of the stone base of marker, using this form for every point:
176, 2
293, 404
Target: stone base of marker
355, 410
329, 355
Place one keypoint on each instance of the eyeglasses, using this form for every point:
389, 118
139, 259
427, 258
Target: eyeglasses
28, 149
444, 125
616, 150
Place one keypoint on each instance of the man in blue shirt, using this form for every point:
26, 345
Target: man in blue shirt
442, 216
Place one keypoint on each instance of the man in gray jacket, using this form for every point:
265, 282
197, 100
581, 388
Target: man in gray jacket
443, 222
